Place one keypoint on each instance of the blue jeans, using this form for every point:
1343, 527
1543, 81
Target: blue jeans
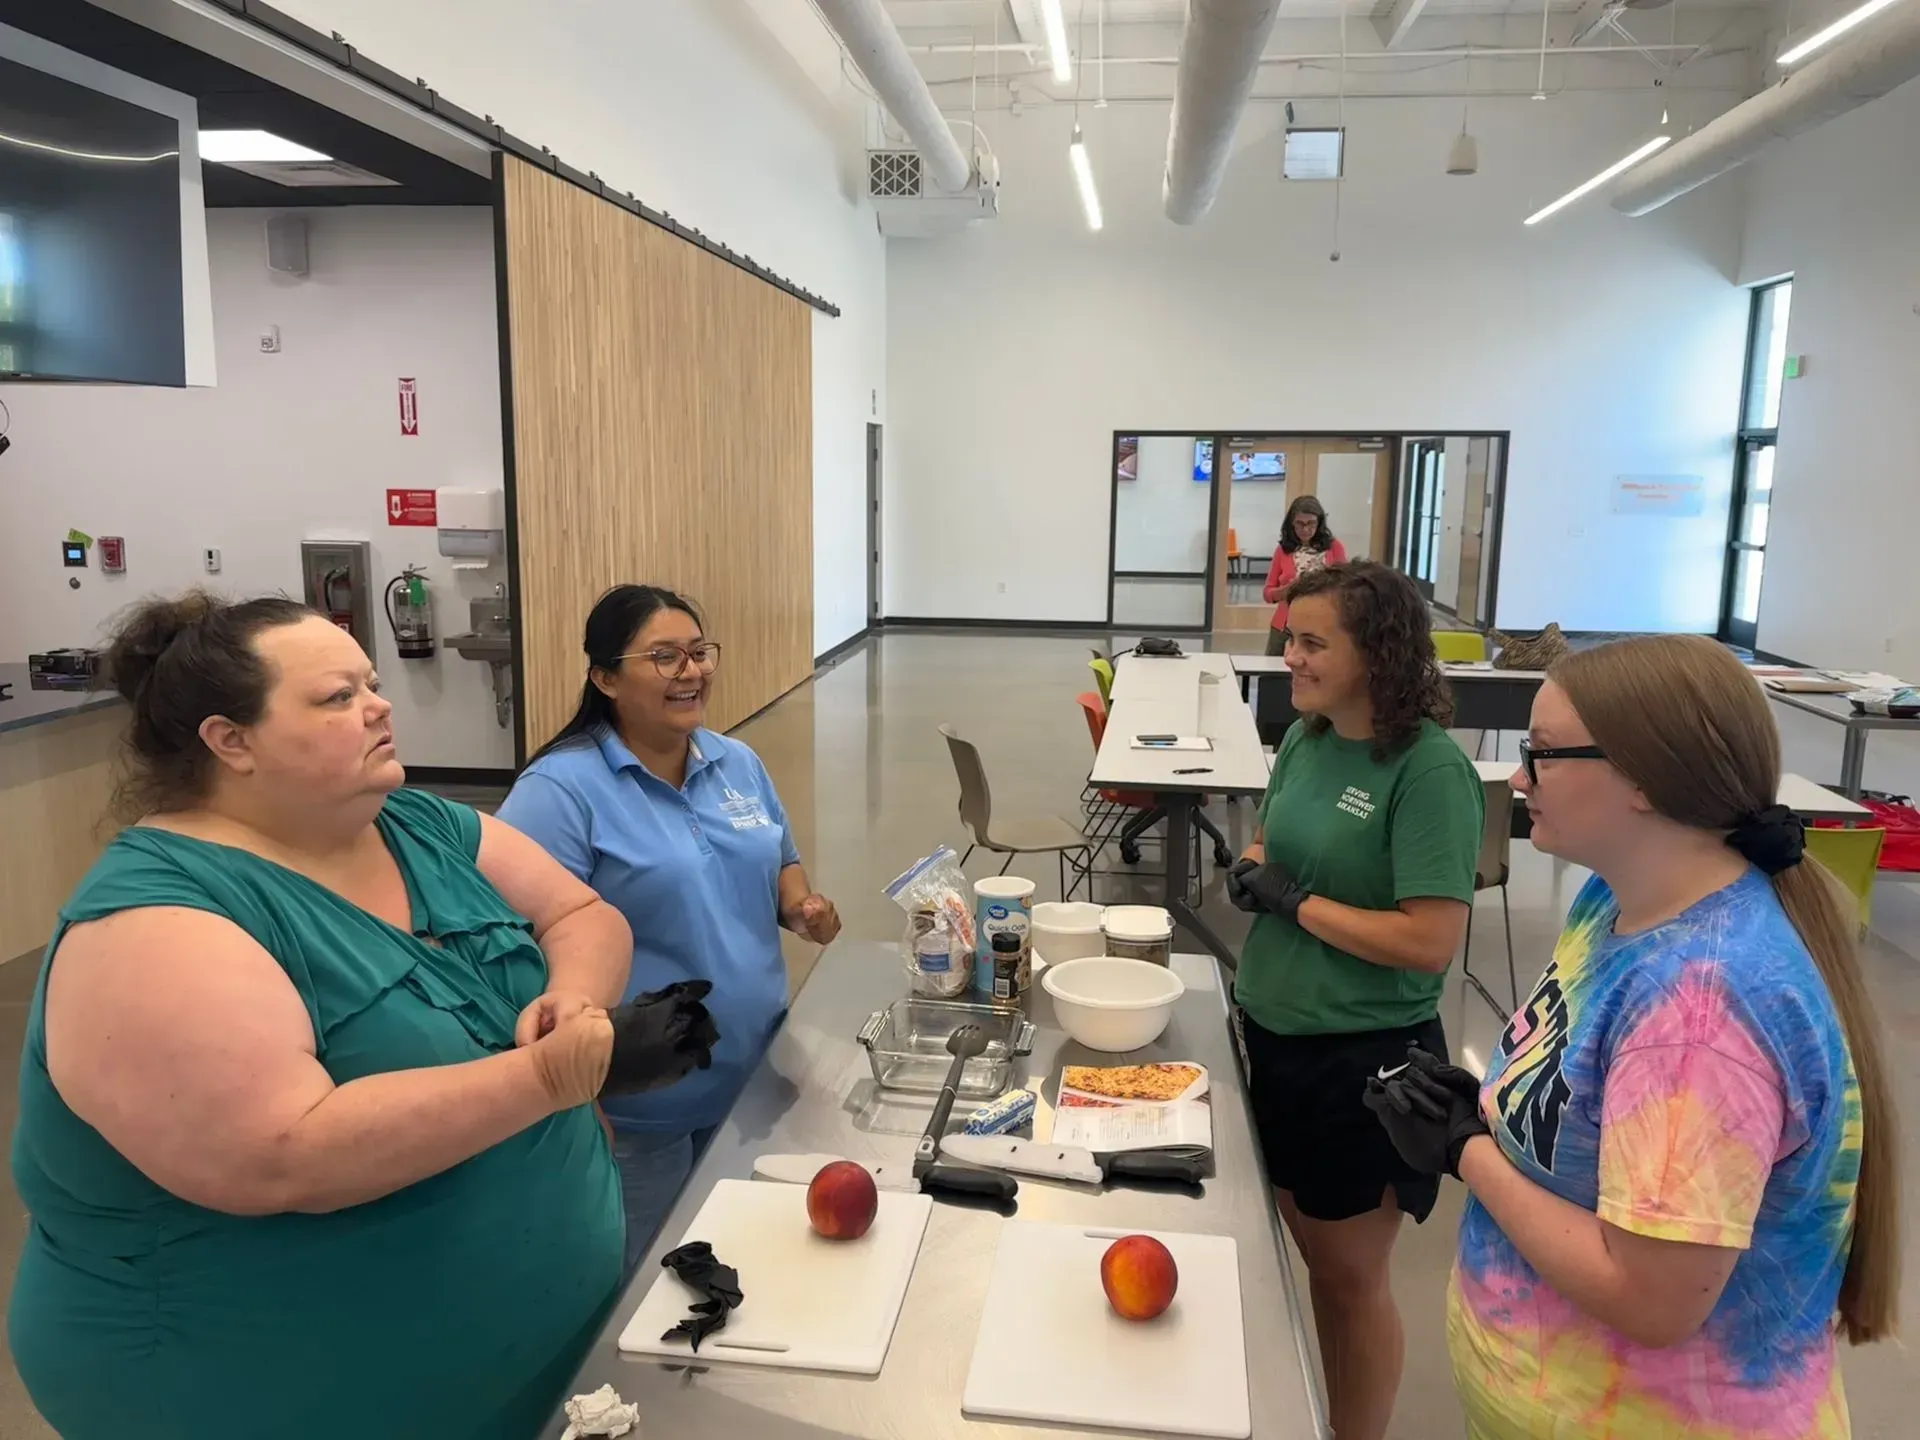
653, 1171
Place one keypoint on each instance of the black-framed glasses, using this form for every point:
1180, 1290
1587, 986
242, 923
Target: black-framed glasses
671, 661
1531, 755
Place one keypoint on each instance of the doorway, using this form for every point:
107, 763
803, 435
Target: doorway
1422, 488
873, 524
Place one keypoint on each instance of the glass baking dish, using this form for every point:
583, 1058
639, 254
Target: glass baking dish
907, 1046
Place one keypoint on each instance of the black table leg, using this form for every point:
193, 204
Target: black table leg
1179, 845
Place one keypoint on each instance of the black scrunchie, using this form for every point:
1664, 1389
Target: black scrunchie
1774, 839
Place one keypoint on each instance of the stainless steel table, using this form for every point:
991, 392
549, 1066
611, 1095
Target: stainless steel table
815, 1092
1853, 743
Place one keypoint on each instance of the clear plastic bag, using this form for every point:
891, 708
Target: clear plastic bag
939, 940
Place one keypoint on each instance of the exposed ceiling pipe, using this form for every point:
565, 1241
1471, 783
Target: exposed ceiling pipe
1219, 61
1861, 68
879, 54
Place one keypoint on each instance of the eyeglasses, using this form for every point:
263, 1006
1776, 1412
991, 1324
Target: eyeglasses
1531, 755
671, 661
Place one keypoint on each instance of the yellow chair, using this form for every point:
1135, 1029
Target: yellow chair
1455, 647
1102, 677
1854, 858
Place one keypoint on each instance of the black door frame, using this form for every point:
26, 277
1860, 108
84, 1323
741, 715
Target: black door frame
875, 450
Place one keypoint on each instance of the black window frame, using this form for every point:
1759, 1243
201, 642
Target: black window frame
1749, 439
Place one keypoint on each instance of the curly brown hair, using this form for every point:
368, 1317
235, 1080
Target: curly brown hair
1382, 611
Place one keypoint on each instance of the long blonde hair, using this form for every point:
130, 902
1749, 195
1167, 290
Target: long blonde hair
1712, 760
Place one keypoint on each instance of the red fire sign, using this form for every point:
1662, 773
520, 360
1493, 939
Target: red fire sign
412, 507
409, 407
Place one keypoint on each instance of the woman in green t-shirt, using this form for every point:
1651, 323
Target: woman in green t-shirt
1361, 883
305, 1125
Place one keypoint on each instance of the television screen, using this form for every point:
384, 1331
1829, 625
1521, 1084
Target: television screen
100, 237
1203, 461
1127, 460
1260, 465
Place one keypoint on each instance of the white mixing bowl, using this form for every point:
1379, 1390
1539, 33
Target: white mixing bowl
1107, 1003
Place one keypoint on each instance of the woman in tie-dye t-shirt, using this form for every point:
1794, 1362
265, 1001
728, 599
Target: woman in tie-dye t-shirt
1689, 1186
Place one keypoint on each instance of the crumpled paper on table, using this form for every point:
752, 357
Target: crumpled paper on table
602, 1413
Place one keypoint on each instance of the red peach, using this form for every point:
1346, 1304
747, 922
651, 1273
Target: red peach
1139, 1277
842, 1201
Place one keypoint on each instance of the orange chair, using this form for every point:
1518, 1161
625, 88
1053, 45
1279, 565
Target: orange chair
1233, 552
1133, 812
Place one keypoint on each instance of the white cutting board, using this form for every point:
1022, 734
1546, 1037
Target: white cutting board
1051, 1348
810, 1303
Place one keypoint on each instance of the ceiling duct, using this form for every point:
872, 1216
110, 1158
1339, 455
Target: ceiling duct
1219, 60
1859, 69
881, 56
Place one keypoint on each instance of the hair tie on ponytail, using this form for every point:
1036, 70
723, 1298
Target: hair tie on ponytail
1773, 839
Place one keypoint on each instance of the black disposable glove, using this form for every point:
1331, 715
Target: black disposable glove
1265, 889
660, 1037
1450, 1077
1237, 892
1428, 1121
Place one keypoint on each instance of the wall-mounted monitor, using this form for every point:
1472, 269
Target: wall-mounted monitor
1260, 465
103, 242
1203, 461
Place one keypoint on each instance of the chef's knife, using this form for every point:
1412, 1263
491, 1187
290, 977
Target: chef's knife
800, 1170
1186, 1164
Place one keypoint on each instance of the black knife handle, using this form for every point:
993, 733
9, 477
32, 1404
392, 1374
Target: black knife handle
965, 1180
1155, 1165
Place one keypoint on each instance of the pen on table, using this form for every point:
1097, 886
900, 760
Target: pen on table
1195, 770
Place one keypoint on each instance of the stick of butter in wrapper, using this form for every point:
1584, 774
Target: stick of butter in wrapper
997, 1117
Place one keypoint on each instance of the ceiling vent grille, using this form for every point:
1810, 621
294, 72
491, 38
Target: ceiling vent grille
894, 175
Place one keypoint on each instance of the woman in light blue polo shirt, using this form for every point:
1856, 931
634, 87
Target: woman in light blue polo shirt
681, 831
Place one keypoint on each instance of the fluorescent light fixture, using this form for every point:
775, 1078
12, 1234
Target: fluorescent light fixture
1083, 175
251, 147
1056, 25
1619, 167
1834, 31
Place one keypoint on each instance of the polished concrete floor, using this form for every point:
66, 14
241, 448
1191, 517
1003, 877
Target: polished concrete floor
865, 775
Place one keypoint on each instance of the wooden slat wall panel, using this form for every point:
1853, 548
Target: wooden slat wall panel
663, 432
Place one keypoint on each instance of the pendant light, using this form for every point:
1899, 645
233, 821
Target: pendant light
1464, 158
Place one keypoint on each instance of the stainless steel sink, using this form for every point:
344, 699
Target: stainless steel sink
490, 640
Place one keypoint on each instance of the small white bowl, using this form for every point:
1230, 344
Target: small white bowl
1111, 1004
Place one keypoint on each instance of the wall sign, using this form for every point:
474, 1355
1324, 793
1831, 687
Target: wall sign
412, 507
409, 407
1675, 496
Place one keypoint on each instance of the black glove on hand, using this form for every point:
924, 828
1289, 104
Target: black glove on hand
1450, 1077
659, 1037
1428, 1122
1238, 895
1267, 889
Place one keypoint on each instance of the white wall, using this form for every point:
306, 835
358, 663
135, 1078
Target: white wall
1162, 513
1608, 346
1839, 209
302, 444
695, 107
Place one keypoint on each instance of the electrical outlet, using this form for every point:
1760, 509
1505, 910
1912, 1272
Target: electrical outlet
1002, 587
1889, 645
212, 558
270, 340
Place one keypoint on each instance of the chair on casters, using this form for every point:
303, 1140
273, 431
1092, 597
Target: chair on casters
1041, 835
1490, 872
1151, 812
1854, 858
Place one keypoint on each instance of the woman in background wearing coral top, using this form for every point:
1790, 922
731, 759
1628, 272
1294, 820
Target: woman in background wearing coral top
1306, 544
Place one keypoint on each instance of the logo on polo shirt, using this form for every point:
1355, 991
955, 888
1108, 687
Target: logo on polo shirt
1356, 802
744, 811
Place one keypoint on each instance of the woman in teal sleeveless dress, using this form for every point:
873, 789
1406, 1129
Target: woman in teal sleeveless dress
304, 1124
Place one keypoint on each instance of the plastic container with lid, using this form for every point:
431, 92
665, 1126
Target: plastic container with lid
1139, 932
1003, 905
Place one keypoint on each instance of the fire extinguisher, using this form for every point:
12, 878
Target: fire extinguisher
336, 596
410, 613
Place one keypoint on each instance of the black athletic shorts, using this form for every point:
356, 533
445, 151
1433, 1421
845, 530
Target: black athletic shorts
1320, 1141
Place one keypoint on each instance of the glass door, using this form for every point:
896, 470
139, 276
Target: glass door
1422, 483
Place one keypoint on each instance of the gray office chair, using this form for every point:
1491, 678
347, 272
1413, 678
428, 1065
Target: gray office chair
1490, 871
1039, 835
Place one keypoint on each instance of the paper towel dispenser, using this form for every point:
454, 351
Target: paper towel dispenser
473, 526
